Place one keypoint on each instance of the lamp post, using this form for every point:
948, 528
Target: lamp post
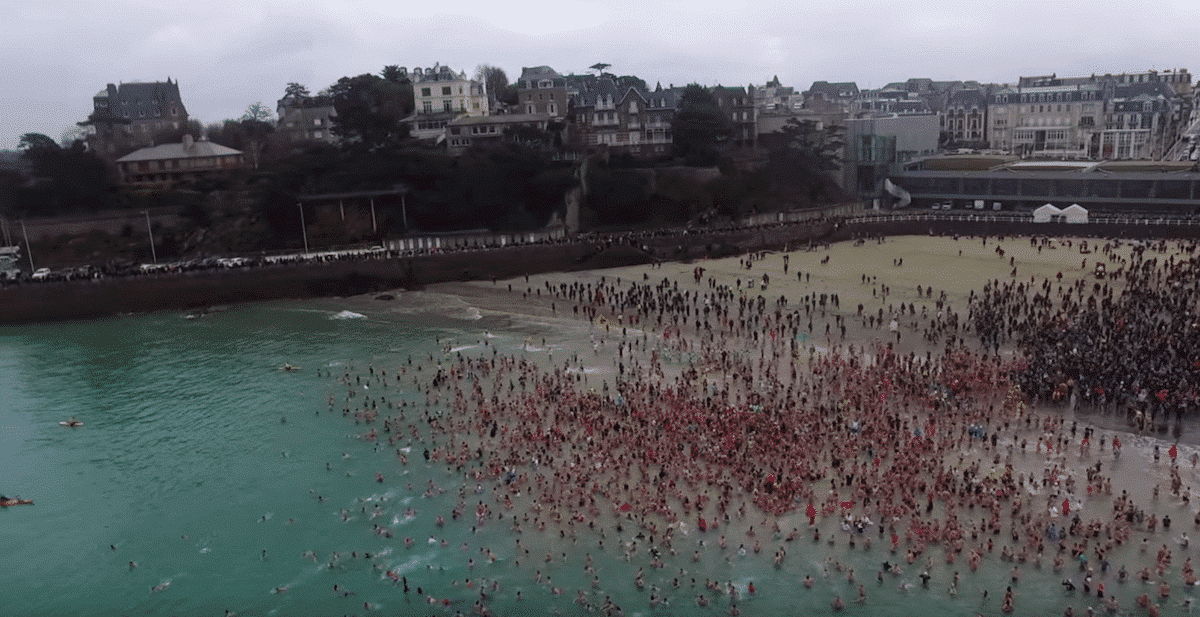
28, 249
150, 232
303, 227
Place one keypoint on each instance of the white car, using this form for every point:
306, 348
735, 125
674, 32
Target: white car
41, 274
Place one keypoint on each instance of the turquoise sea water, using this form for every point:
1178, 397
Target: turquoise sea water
216, 472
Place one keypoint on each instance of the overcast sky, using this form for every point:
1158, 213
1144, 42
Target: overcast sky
227, 54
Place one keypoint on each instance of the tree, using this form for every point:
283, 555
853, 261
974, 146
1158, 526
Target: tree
395, 74
369, 112
64, 179
70, 135
295, 91
804, 156
700, 128
33, 145
258, 112
496, 82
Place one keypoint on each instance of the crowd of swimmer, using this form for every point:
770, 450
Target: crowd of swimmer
719, 419
1130, 341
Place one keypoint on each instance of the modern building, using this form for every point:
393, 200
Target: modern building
467, 131
1145, 187
304, 120
441, 95
541, 90
135, 114
880, 144
168, 164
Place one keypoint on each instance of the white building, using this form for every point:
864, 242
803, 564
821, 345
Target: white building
441, 95
1056, 120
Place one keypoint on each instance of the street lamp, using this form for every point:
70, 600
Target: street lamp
150, 231
28, 249
303, 227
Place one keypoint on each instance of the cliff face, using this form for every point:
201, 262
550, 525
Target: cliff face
216, 223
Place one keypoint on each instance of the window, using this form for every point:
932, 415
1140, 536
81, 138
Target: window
427, 107
316, 122
447, 105
445, 90
425, 92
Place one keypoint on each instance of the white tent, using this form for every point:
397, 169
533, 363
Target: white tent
1046, 213
1076, 213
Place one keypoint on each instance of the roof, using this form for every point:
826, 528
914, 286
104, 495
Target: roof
605, 87
967, 97
136, 100
835, 89
198, 149
539, 72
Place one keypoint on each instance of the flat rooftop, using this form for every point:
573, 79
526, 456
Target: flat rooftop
994, 163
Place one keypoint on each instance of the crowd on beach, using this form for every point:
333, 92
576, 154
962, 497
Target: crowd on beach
1129, 341
721, 430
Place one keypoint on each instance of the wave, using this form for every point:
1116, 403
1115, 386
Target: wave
347, 315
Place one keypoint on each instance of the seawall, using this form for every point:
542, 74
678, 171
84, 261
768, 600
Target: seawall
62, 301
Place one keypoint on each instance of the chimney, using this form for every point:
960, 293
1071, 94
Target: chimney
188, 142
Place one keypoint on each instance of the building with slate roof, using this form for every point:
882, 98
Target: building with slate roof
303, 121
541, 90
964, 117
888, 101
626, 119
134, 114
1139, 121
1053, 120
827, 96
1126, 116
167, 164
441, 95
740, 108
775, 97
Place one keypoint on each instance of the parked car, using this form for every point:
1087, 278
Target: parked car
41, 274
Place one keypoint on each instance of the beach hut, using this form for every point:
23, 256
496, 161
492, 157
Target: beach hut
1046, 213
1076, 213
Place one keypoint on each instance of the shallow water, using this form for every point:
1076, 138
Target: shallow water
202, 462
